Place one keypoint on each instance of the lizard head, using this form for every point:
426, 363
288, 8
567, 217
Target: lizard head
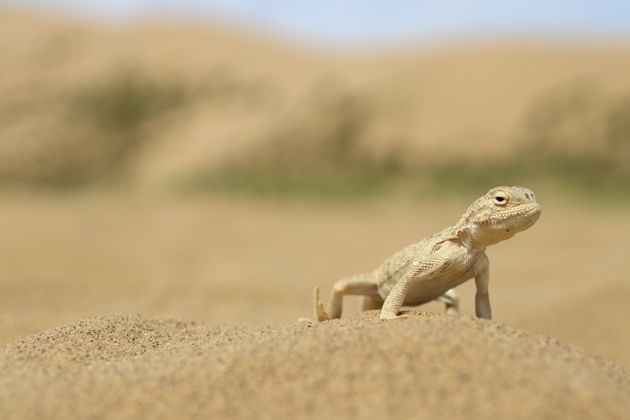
501, 214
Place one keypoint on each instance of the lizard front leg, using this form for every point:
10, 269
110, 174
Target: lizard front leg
395, 299
482, 298
417, 271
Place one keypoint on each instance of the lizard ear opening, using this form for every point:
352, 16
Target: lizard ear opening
465, 237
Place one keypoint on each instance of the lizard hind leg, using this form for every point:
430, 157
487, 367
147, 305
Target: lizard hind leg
361, 284
451, 300
372, 302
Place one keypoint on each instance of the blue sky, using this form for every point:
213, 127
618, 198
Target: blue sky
351, 22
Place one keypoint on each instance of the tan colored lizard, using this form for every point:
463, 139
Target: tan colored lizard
432, 268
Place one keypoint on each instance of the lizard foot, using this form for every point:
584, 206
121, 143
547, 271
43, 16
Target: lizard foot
452, 311
390, 316
318, 307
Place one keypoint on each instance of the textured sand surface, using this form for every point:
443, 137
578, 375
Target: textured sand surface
427, 367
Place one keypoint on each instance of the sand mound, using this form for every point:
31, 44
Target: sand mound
429, 366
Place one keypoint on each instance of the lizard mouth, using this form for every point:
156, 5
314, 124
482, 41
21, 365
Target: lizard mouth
527, 213
524, 214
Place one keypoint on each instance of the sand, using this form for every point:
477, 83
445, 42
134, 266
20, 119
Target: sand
427, 367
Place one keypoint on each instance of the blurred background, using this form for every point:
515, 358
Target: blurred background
215, 160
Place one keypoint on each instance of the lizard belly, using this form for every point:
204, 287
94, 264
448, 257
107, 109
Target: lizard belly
429, 289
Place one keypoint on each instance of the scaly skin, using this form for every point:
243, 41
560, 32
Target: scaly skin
432, 268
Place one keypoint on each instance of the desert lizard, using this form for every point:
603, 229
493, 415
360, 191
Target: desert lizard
432, 268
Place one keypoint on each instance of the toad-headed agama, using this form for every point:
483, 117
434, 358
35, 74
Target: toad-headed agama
431, 269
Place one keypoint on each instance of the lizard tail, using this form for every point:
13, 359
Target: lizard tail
319, 312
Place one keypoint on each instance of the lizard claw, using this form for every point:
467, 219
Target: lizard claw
318, 307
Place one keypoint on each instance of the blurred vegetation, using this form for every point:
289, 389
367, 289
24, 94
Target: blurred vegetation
204, 110
99, 130
121, 105
321, 155
115, 112
95, 130
573, 140
576, 138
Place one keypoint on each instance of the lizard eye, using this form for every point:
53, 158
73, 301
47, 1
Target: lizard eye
501, 198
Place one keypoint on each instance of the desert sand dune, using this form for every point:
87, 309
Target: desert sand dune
426, 367
230, 92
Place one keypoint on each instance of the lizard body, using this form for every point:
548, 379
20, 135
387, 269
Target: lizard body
431, 268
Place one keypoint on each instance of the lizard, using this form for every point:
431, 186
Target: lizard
431, 268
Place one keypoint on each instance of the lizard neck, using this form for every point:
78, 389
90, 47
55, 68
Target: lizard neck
467, 240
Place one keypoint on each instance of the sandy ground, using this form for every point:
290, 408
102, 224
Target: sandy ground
426, 367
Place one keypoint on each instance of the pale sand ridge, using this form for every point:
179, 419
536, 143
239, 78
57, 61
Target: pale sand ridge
430, 366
